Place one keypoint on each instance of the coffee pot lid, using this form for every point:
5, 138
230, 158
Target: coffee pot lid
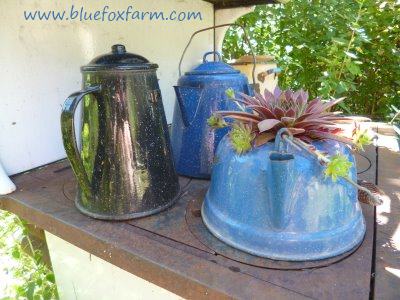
213, 67
119, 59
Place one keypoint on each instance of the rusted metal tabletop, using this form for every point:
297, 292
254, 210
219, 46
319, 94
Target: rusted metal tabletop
162, 250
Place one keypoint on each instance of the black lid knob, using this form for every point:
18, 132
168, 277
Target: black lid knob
118, 49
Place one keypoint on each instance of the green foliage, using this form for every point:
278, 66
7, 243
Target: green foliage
394, 114
241, 138
333, 48
339, 166
32, 278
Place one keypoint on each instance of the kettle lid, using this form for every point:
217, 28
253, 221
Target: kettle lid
214, 67
119, 59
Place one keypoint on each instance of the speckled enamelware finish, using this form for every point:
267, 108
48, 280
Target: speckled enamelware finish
201, 92
125, 168
281, 206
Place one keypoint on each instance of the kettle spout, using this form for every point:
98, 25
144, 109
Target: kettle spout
189, 99
282, 185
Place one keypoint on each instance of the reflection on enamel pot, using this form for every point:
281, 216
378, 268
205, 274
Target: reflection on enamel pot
125, 168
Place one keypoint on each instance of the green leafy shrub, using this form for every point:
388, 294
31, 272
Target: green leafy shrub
333, 48
32, 279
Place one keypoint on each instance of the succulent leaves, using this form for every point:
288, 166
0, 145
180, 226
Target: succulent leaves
361, 139
230, 93
306, 120
339, 166
216, 122
241, 137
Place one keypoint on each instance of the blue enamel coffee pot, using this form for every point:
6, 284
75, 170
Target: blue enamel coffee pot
199, 93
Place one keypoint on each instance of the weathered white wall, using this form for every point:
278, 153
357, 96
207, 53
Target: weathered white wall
80, 275
226, 16
39, 65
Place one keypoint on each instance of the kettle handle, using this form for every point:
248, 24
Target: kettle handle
215, 27
279, 139
69, 137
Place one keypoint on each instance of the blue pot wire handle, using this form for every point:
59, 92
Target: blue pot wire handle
245, 36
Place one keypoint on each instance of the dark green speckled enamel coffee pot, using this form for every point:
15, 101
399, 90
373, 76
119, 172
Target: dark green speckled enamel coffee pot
124, 168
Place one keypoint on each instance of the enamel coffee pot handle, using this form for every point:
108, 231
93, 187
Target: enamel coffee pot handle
69, 137
245, 36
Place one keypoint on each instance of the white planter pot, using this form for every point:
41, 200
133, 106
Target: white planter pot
6, 185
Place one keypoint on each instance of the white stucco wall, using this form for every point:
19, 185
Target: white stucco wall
227, 16
40, 60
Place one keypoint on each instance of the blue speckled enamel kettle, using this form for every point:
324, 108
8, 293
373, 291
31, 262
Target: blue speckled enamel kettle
199, 93
275, 202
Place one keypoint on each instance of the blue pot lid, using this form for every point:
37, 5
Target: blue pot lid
212, 67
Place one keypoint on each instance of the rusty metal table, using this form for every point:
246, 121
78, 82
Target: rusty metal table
162, 249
